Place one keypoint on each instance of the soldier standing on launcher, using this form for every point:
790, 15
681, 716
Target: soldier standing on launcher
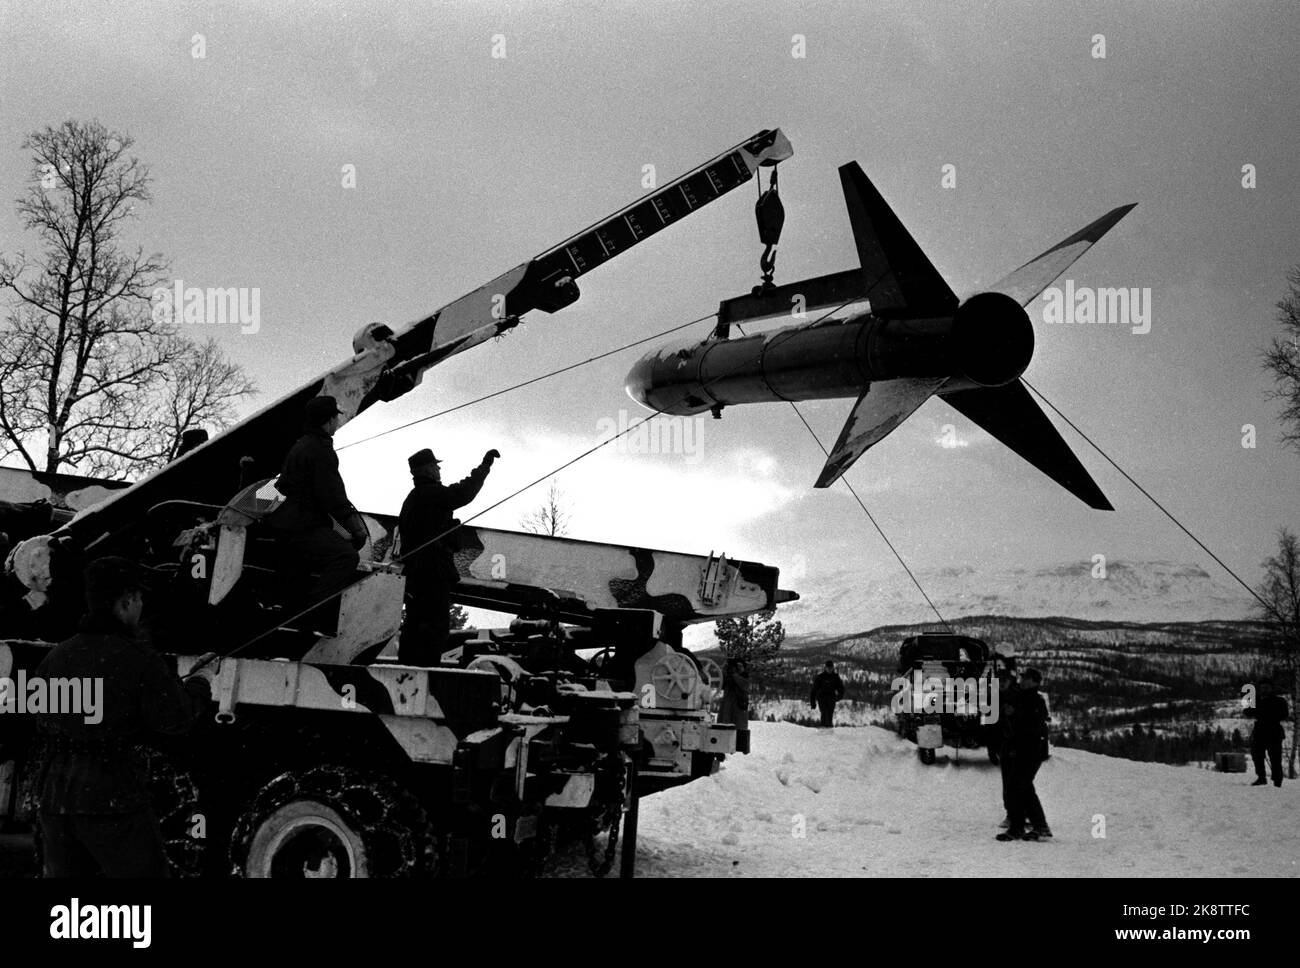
426, 542
314, 498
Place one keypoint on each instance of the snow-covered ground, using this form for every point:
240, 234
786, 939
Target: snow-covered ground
870, 808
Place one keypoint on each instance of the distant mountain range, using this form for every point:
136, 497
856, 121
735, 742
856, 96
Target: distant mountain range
840, 603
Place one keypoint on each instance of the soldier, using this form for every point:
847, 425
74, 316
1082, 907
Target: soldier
827, 690
735, 701
314, 497
1024, 748
94, 809
1269, 713
1007, 678
424, 527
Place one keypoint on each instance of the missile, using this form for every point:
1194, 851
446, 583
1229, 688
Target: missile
890, 334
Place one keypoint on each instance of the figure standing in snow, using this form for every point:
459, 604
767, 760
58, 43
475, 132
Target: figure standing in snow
827, 690
1269, 712
735, 701
1007, 680
1024, 748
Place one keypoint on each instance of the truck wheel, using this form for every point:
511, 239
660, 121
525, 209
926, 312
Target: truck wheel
993, 756
927, 756
332, 821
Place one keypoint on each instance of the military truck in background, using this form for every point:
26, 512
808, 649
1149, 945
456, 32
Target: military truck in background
963, 712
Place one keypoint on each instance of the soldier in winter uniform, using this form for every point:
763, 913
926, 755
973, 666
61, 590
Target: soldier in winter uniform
94, 808
827, 690
1270, 712
425, 527
735, 701
315, 497
1023, 750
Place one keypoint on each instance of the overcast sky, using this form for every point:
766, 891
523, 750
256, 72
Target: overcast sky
468, 164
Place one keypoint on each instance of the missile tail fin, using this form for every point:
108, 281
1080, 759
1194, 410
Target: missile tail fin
883, 406
1025, 284
1010, 414
895, 269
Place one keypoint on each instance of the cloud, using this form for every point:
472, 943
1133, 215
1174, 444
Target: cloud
646, 499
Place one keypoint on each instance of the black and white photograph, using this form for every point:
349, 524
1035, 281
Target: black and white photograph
496, 441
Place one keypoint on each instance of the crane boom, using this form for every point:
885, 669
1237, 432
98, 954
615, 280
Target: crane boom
387, 365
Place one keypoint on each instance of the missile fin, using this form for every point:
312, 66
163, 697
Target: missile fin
896, 271
883, 406
1026, 283
1010, 414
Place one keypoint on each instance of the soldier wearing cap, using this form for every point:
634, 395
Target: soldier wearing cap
94, 808
425, 530
315, 497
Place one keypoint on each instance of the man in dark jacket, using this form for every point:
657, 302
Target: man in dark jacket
1269, 712
827, 690
94, 808
315, 498
1024, 748
425, 528
734, 708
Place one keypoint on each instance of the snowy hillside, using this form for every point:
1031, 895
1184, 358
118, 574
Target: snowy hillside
842, 602
871, 808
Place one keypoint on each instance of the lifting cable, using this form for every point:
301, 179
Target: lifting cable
870, 517
569, 463
518, 386
1147, 494
656, 413
408, 553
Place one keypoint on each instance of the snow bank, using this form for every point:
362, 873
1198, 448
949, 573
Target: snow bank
857, 802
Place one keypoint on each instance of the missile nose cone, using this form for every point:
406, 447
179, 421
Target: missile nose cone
639, 380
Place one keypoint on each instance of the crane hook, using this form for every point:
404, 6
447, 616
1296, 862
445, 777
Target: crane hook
769, 213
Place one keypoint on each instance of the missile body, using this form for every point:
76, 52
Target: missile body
987, 342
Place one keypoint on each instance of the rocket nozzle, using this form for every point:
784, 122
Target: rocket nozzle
993, 339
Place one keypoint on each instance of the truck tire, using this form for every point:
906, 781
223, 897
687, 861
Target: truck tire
926, 755
332, 821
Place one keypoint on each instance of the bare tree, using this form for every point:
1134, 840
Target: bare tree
1283, 359
1280, 593
89, 378
202, 389
755, 638
550, 518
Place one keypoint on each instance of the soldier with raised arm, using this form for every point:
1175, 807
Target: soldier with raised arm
427, 539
